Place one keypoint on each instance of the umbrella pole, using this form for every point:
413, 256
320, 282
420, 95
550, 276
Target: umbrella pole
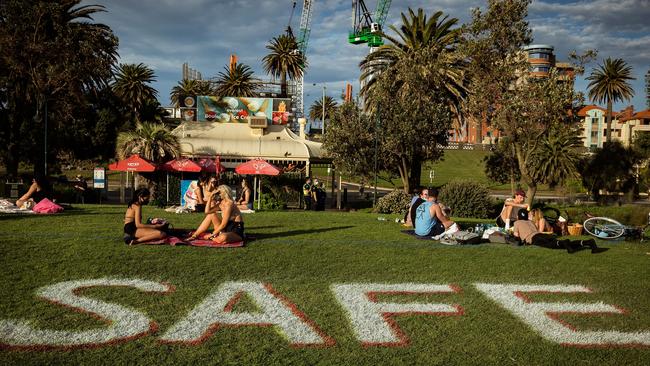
167, 188
259, 194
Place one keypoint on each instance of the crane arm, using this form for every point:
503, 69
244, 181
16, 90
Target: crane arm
382, 11
305, 25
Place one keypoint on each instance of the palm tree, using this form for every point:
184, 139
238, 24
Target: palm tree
236, 82
434, 36
153, 141
189, 87
284, 61
131, 85
316, 109
558, 156
609, 84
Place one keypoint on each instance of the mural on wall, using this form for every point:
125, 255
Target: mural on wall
237, 110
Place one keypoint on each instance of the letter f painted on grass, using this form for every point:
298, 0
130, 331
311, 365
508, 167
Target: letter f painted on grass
372, 320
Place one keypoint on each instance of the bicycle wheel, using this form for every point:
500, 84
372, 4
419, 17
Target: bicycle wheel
604, 227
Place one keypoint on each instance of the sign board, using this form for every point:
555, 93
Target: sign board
99, 178
239, 109
188, 197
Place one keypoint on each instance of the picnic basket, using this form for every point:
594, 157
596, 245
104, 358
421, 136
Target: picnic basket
575, 229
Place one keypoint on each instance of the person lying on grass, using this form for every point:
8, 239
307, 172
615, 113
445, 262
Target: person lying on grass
228, 228
133, 225
430, 220
526, 231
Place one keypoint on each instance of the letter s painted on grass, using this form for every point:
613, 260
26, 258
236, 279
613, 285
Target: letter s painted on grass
542, 316
124, 323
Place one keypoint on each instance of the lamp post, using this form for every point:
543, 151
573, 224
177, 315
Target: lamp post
323, 105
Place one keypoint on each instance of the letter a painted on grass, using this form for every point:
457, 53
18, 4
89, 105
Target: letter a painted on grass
124, 323
541, 315
372, 320
216, 311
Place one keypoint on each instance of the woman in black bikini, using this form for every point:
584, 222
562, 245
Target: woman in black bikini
133, 226
230, 227
39, 189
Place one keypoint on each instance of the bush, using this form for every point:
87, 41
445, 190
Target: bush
396, 202
467, 199
270, 202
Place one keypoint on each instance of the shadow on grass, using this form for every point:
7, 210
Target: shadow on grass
296, 232
71, 212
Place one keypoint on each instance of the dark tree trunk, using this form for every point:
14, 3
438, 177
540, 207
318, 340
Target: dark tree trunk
416, 172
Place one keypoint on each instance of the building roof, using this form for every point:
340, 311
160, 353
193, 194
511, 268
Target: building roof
638, 115
239, 141
583, 112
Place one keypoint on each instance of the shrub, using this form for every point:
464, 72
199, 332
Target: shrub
467, 199
396, 202
270, 202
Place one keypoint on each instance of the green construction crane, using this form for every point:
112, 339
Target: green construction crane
364, 28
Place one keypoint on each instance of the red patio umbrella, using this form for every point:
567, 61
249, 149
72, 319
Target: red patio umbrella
257, 167
133, 163
211, 166
182, 165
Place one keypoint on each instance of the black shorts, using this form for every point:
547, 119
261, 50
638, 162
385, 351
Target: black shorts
130, 228
236, 227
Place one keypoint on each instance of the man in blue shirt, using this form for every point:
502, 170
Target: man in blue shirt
430, 220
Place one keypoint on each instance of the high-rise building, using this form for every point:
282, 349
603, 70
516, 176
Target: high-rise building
647, 89
190, 73
542, 59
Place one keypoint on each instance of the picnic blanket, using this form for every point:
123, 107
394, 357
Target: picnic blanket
176, 236
8, 207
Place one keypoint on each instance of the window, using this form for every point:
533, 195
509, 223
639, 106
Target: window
594, 134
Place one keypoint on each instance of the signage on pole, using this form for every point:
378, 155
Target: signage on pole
99, 178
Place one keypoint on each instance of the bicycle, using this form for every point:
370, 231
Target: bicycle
609, 229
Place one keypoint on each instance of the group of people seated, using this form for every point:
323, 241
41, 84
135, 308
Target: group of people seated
198, 193
221, 212
428, 216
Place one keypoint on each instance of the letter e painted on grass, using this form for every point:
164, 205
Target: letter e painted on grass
216, 311
123, 323
542, 316
372, 320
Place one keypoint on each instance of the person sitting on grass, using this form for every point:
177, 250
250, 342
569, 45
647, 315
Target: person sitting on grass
510, 207
39, 189
244, 202
133, 226
228, 228
526, 231
537, 217
419, 195
430, 220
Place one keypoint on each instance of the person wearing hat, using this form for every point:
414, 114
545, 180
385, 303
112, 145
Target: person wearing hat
528, 233
80, 186
510, 208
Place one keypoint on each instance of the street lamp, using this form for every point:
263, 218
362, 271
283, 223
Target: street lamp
323, 105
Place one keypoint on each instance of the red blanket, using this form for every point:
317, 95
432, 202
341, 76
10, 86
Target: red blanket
177, 235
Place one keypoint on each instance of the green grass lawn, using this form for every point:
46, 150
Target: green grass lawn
301, 255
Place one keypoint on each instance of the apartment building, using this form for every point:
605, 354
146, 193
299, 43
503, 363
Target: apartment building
625, 124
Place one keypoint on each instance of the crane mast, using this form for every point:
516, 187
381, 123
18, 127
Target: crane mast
303, 40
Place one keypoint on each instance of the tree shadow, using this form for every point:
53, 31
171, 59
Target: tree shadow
296, 232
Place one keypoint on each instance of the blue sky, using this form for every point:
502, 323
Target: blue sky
164, 34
